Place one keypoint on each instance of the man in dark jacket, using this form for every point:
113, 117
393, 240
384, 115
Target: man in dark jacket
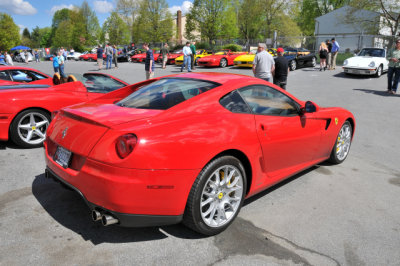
281, 69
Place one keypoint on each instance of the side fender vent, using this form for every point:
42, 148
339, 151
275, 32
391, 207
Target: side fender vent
328, 122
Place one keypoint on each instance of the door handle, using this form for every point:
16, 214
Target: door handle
262, 127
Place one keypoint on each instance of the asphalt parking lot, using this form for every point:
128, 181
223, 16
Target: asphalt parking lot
347, 214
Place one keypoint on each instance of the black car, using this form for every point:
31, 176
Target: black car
299, 57
125, 57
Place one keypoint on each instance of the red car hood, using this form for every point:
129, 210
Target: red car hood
78, 128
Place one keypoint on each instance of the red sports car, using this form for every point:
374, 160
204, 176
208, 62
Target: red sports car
138, 58
172, 56
189, 147
90, 57
25, 109
222, 58
16, 75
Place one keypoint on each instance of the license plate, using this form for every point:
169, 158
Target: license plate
62, 156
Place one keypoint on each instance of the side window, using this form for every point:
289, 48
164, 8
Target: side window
264, 100
37, 75
234, 103
4, 75
20, 76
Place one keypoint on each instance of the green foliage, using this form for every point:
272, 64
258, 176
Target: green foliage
117, 30
203, 45
229, 23
9, 32
91, 23
250, 18
45, 40
311, 9
63, 34
233, 47
154, 22
26, 33
207, 16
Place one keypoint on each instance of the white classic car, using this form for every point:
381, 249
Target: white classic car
73, 56
369, 61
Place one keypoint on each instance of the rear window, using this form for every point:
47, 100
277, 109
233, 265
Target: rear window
165, 93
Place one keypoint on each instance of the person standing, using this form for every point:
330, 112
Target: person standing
164, 53
56, 66
61, 62
36, 56
329, 57
193, 55
281, 69
187, 52
149, 62
334, 51
100, 57
263, 63
323, 54
8, 58
394, 68
115, 56
26, 57
109, 54
2, 58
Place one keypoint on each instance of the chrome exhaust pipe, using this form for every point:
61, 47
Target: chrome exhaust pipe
96, 215
108, 220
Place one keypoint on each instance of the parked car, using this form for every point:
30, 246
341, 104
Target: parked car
369, 61
172, 56
246, 60
139, 58
126, 57
74, 56
21, 57
189, 148
25, 109
22, 75
90, 57
199, 54
222, 58
299, 57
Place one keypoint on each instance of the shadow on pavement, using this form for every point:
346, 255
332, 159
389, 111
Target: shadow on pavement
4, 145
351, 76
376, 92
70, 211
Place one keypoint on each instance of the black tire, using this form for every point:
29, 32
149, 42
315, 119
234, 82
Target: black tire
378, 72
23, 118
223, 62
293, 65
192, 217
334, 158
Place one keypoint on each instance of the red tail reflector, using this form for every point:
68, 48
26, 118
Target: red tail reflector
125, 145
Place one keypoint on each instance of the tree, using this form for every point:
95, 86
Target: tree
63, 34
26, 34
311, 9
91, 24
58, 17
271, 9
45, 40
154, 22
389, 10
208, 15
117, 30
9, 32
229, 22
249, 19
79, 31
128, 10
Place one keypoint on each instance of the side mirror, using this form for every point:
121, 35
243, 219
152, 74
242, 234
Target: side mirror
309, 107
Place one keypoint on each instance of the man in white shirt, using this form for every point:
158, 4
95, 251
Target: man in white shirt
9, 60
186, 57
263, 63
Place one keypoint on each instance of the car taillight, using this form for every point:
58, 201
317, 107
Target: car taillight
125, 145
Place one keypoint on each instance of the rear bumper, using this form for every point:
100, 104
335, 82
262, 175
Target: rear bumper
126, 191
125, 219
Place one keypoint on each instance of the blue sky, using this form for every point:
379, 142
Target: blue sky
32, 13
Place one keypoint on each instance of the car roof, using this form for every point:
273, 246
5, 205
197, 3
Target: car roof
217, 77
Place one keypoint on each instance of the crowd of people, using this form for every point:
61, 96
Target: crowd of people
264, 65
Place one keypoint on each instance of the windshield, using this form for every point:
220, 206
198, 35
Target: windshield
99, 83
165, 93
372, 52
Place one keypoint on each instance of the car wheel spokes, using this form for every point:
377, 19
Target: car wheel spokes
32, 128
343, 142
221, 196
